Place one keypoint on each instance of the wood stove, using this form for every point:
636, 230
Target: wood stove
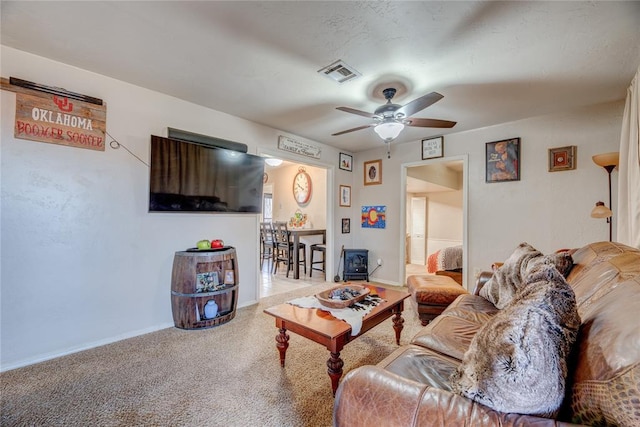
356, 264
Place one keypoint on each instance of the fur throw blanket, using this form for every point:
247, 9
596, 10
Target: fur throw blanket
508, 279
517, 362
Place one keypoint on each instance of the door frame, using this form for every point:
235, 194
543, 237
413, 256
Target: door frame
465, 211
331, 197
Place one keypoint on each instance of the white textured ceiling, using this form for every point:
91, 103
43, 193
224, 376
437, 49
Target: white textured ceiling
494, 62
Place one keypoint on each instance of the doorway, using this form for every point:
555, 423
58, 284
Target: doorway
435, 223
280, 204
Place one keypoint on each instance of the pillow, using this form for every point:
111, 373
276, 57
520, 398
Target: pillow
562, 261
517, 362
502, 286
508, 279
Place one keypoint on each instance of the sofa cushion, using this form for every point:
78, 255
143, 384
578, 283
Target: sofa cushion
508, 278
451, 332
421, 365
517, 360
471, 307
448, 335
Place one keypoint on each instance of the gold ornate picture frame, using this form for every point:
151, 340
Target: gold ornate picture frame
562, 158
373, 172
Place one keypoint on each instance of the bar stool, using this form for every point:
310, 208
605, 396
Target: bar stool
322, 249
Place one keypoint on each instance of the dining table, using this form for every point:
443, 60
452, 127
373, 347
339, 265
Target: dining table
296, 233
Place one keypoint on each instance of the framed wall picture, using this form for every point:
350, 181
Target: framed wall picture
373, 172
345, 195
433, 148
503, 160
346, 225
374, 217
346, 162
562, 158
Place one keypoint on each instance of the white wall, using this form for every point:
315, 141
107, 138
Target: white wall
550, 210
83, 262
445, 220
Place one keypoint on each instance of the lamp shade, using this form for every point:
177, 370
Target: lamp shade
389, 130
272, 161
606, 159
601, 211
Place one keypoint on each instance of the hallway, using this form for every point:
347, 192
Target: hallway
273, 284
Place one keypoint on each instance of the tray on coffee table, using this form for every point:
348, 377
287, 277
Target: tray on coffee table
342, 296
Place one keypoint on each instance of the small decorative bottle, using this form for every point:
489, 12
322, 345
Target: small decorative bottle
210, 309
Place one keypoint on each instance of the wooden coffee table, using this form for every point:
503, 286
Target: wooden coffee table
321, 327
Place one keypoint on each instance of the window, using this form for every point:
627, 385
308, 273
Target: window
267, 207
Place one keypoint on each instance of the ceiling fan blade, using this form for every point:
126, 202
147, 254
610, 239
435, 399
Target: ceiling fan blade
419, 104
352, 130
358, 112
429, 123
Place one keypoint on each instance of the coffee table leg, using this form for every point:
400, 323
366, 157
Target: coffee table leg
335, 365
282, 342
398, 324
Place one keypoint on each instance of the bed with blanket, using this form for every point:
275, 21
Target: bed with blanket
446, 261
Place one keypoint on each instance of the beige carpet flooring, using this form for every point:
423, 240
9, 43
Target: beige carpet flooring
229, 375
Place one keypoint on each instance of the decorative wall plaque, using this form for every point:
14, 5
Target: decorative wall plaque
298, 147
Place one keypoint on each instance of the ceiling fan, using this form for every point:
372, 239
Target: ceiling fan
390, 119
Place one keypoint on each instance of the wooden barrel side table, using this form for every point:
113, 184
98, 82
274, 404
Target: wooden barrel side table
204, 287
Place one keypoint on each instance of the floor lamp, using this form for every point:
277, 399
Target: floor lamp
609, 161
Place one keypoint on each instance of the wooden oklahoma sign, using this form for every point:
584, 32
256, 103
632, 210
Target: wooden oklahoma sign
59, 120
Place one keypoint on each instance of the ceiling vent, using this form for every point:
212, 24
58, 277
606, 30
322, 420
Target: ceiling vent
340, 72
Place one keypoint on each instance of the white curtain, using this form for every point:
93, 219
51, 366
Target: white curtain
628, 230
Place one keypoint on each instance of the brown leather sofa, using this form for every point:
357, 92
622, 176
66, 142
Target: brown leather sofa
411, 386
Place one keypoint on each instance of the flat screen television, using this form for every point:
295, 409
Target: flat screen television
191, 177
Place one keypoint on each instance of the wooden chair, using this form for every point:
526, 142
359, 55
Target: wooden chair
267, 243
284, 248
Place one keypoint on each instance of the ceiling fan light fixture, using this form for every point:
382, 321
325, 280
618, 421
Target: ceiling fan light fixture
389, 130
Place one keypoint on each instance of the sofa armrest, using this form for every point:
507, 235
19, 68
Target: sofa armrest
372, 396
482, 279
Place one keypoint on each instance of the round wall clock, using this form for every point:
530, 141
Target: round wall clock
302, 187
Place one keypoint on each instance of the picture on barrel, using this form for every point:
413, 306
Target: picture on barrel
207, 282
229, 277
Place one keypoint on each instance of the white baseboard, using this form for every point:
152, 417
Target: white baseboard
386, 282
248, 303
54, 355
